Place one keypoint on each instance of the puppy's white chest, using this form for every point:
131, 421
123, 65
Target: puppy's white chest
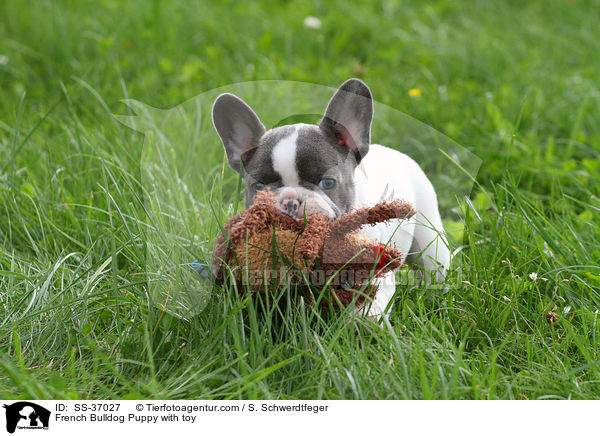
387, 174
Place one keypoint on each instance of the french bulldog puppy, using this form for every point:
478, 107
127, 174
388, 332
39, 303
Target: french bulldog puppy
332, 168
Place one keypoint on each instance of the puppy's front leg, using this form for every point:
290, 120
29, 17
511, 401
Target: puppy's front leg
386, 288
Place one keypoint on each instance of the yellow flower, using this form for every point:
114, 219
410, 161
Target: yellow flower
414, 93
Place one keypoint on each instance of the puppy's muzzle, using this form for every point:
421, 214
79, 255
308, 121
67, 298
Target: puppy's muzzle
298, 202
290, 207
288, 202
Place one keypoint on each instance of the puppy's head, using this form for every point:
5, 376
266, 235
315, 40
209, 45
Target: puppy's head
309, 167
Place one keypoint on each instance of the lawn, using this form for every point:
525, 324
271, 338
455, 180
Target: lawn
514, 83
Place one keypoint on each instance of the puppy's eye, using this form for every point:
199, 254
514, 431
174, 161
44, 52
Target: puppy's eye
258, 186
327, 183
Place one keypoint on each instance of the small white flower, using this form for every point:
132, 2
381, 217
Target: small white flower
533, 276
312, 22
3, 60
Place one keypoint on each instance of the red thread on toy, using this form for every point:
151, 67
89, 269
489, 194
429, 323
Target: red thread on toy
379, 251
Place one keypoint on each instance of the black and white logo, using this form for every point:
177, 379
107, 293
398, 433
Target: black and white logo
26, 415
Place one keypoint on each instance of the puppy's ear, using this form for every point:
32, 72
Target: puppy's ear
237, 125
349, 115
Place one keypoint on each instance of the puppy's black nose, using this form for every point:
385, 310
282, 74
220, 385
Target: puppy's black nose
290, 207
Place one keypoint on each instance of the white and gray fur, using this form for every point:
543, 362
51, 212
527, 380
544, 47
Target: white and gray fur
332, 168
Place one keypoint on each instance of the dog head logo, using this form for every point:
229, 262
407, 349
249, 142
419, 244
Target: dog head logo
26, 415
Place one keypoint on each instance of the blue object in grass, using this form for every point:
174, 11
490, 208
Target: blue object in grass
205, 272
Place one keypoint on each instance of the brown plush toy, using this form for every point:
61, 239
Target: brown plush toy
261, 244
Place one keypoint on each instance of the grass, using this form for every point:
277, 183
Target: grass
516, 84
